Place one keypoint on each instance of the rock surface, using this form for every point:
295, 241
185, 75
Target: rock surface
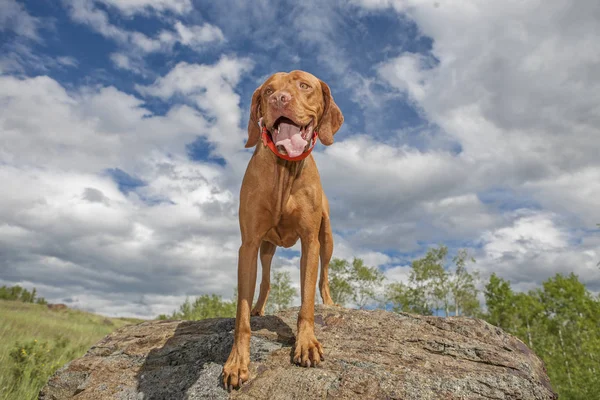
57, 307
368, 354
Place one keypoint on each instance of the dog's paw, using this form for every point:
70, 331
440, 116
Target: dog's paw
235, 370
308, 352
256, 312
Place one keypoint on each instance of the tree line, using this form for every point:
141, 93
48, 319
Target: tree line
560, 321
17, 293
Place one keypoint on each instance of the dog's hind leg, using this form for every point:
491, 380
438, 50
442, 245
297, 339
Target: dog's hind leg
267, 250
326, 241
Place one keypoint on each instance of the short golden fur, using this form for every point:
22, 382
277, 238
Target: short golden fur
280, 202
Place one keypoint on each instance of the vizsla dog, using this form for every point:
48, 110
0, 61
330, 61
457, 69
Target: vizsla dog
281, 201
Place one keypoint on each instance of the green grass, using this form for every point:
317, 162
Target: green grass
42, 340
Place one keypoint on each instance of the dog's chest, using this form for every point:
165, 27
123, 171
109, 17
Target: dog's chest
282, 237
284, 233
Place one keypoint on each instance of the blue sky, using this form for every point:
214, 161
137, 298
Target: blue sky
123, 123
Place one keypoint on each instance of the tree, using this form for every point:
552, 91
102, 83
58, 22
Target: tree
339, 281
353, 281
571, 317
365, 282
432, 287
527, 310
499, 299
42, 301
282, 293
560, 322
430, 280
205, 306
406, 299
462, 286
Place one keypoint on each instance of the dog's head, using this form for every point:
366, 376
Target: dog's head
291, 106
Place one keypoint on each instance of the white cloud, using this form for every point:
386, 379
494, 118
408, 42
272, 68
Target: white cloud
85, 12
406, 73
460, 216
66, 225
573, 194
516, 86
535, 233
14, 17
198, 34
93, 128
506, 81
384, 197
124, 61
104, 128
344, 250
510, 93
130, 7
211, 90
194, 36
17, 50
55, 233
534, 247
60, 125
67, 61
399, 273
18, 56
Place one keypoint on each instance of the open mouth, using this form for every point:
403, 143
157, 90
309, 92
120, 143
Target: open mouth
291, 138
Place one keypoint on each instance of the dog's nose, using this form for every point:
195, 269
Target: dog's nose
280, 99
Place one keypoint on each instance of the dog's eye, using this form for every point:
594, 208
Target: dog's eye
304, 86
268, 91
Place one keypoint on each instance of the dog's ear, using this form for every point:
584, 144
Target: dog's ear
255, 114
332, 117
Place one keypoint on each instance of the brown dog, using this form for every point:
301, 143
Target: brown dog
282, 201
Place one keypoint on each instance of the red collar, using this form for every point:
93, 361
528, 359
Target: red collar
268, 141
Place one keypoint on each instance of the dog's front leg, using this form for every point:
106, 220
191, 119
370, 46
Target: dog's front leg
235, 370
308, 351
267, 250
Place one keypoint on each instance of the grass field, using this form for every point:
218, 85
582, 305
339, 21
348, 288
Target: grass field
35, 341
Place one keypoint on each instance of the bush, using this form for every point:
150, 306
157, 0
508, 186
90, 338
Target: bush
33, 362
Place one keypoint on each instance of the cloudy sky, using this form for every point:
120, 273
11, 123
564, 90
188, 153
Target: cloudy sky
470, 123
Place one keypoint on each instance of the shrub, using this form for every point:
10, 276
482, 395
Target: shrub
32, 362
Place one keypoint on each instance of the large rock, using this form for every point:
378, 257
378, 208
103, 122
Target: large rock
368, 354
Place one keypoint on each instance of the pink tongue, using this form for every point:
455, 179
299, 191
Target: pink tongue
290, 138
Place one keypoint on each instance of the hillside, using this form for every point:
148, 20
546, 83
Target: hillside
56, 336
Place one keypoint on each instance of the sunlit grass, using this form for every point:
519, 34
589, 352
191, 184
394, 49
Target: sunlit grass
26, 324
